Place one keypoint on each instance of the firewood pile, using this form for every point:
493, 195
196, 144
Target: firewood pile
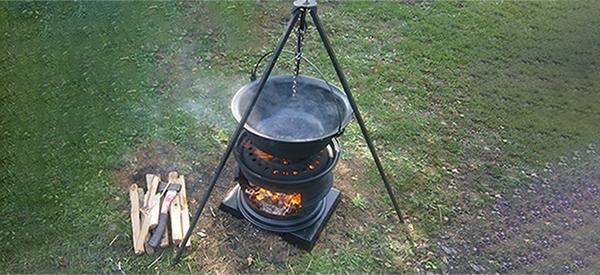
146, 208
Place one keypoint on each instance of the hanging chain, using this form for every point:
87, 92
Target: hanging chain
298, 57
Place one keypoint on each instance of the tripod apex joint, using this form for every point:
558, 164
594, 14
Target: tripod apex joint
305, 3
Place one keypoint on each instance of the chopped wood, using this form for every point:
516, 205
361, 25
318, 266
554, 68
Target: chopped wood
154, 211
149, 181
144, 229
185, 212
152, 182
145, 212
138, 247
175, 213
153, 201
141, 195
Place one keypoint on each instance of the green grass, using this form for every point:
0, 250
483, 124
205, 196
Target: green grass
86, 83
77, 84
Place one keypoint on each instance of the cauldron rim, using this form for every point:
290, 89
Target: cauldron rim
337, 92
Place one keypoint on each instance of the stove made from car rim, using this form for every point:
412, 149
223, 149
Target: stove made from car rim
290, 196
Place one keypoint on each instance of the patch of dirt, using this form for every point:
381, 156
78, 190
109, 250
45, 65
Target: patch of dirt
548, 226
158, 157
223, 243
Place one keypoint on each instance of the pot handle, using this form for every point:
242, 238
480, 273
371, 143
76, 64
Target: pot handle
253, 72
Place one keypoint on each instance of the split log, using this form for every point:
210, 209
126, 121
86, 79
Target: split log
152, 182
185, 211
154, 211
153, 200
149, 181
175, 213
141, 195
138, 247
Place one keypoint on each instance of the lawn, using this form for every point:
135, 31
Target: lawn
463, 100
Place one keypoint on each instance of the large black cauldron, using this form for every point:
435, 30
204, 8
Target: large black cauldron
294, 125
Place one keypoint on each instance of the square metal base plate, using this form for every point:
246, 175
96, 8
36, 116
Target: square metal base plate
305, 238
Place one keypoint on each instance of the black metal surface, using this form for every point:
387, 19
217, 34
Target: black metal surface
311, 177
311, 191
234, 137
279, 223
294, 125
293, 150
283, 170
304, 238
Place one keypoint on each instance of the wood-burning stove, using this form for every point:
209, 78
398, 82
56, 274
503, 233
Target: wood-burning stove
293, 197
286, 155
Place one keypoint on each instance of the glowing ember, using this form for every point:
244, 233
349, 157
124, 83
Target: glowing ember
260, 153
274, 203
263, 155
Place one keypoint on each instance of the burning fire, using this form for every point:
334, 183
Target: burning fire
274, 203
260, 153
263, 155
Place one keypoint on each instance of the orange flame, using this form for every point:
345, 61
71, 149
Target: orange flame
273, 202
263, 155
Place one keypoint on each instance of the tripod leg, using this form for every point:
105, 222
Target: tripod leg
361, 123
236, 134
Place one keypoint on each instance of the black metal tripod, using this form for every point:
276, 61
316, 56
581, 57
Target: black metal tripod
301, 8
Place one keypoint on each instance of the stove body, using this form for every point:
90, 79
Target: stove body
291, 197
